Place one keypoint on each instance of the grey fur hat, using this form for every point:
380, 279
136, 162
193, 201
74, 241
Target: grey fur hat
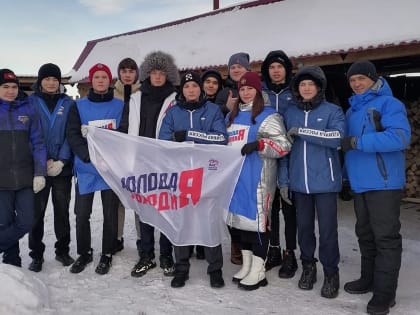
158, 60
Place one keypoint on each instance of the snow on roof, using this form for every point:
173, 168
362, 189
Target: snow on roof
301, 28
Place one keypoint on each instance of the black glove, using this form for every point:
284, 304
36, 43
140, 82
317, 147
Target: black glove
250, 147
180, 135
348, 143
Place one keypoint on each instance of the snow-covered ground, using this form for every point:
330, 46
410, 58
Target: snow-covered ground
56, 291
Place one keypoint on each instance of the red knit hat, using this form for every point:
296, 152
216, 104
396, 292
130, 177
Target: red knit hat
100, 67
250, 79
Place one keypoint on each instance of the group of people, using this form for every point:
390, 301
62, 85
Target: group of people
293, 137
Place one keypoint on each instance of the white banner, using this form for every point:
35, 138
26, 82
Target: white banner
183, 189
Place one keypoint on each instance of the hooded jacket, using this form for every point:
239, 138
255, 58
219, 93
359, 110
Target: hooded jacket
378, 163
313, 164
280, 100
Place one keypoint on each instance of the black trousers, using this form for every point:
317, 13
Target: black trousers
378, 232
83, 210
147, 241
214, 257
290, 226
257, 242
60, 187
325, 206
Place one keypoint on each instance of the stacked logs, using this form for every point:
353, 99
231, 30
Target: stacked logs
412, 188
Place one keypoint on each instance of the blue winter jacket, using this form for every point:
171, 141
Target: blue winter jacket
279, 101
54, 126
314, 163
203, 125
23, 153
378, 163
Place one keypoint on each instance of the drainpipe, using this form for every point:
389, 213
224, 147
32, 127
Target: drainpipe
215, 4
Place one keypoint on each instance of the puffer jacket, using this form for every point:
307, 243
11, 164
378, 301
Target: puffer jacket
23, 154
378, 163
313, 164
54, 129
250, 206
202, 125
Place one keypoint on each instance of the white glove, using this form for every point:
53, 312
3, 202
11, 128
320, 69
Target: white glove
284, 193
39, 183
55, 168
84, 130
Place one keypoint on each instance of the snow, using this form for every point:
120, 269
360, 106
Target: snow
299, 27
56, 291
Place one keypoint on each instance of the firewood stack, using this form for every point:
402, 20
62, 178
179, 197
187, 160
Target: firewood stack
412, 188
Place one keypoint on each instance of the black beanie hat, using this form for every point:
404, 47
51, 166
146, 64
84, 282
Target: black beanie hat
49, 70
8, 76
213, 74
190, 76
365, 68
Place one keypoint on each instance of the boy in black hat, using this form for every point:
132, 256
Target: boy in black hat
53, 107
22, 168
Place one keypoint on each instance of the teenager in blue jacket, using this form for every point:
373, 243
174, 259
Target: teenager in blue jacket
195, 119
378, 132
53, 108
22, 168
313, 174
276, 71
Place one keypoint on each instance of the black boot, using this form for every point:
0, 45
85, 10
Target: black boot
36, 264
273, 257
365, 283
359, 286
289, 267
65, 259
308, 277
331, 285
379, 305
81, 262
216, 279
118, 246
179, 280
104, 264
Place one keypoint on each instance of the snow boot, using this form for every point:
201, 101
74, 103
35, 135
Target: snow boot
216, 279
246, 266
365, 283
80, 264
273, 257
380, 305
104, 264
36, 264
331, 286
146, 262
65, 259
308, 277
289, 267
235, 254
256, 276
179, 279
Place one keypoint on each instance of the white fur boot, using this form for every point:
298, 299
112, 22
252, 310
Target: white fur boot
256, 276
246, 266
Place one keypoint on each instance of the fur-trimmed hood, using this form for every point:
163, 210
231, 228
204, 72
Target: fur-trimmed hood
158, 60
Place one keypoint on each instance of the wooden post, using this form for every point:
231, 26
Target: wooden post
215, 4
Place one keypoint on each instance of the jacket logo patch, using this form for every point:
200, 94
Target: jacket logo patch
23, 119
319, 119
